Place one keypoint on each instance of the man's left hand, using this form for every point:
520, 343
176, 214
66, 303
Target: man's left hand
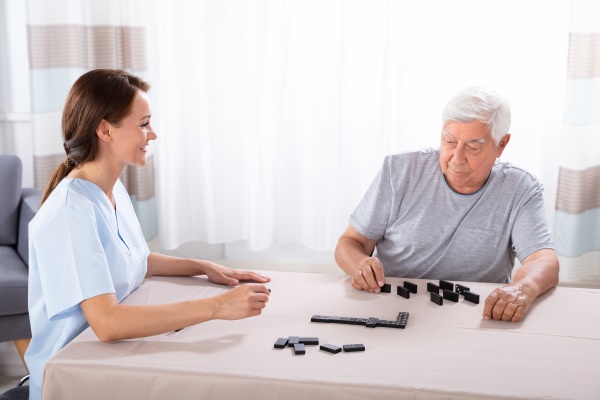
510, 302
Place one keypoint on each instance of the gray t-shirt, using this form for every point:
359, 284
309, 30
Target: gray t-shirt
426, 230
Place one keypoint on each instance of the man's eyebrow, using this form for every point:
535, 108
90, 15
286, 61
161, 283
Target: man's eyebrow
480, 141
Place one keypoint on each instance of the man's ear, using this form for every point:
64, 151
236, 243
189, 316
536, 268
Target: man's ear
103, 131
502, 144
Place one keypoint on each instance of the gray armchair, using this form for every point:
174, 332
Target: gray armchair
17, 207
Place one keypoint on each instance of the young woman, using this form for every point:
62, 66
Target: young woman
87, 251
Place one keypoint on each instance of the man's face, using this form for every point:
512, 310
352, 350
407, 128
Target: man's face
467, 155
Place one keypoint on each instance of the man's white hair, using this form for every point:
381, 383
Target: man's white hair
479, 104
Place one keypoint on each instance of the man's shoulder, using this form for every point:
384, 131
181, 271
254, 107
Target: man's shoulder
510, 172
413, 158
514, 182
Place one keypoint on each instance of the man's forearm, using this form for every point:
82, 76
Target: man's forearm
348, 254
539, 270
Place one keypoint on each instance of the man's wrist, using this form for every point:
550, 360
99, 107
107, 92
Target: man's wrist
529, 287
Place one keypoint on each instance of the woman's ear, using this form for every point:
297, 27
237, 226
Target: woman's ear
103, 131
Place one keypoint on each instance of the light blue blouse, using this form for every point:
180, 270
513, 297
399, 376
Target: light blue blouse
79, 247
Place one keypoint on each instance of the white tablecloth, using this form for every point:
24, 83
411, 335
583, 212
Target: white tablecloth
445, 351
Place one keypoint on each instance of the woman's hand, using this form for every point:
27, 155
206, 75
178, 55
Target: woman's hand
163, 265
227, 276
244, 301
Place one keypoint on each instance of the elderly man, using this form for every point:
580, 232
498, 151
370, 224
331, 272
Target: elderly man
456, 214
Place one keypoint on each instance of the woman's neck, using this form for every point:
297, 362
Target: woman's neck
99, 174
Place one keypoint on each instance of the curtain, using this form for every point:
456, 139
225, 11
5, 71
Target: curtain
577, 221
274, 116
66, 38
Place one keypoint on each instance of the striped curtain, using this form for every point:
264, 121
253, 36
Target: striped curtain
66, 38
577, 222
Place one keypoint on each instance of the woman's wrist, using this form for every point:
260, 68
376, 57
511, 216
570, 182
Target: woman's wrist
201, 266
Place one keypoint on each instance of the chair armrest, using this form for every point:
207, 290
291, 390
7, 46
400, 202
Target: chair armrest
30, 204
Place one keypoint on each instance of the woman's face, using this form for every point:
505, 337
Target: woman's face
131, 139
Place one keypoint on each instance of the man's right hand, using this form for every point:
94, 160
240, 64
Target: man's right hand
353, 254
368, 275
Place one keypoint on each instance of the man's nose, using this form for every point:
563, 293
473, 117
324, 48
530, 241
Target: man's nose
458, 156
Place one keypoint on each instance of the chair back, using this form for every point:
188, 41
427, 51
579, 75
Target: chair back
11, 172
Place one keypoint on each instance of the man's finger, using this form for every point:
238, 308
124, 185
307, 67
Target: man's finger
519, 313
490, 302
369, 276
509, 312
498, 310
378, 271
360, 280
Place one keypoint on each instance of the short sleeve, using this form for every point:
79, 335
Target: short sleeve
530, 231
71, 260
371, 217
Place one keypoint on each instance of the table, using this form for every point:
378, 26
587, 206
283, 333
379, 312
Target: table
445, 352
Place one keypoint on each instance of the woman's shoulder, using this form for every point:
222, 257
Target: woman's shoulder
70, 197
79, 193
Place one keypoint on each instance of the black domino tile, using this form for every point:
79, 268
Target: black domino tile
447, 285
331, 348
450, 295
386, 288
354, 347
403, 292
402, 319
472, 297
292, 340
370, 322
299, 348
281, 343
357, 321
433, 288
309, 341
319, 318
437, 299
386, 323
410, 286
461, 289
